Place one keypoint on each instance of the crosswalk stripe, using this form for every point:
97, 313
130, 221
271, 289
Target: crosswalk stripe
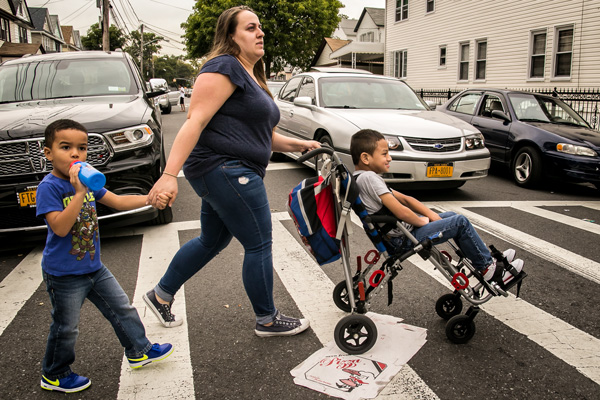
19, 286
580, 265
172, 378
312, 289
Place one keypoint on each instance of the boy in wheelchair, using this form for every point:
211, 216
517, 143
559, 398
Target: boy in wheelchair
371, 157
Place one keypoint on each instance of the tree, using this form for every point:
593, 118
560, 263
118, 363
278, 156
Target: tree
93, 40
171, 67
151, 46
293, 29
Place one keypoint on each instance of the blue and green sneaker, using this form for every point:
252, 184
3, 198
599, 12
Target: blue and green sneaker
156, 353
69, 384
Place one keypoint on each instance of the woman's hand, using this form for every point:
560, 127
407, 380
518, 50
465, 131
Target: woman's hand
166, 184
308, 145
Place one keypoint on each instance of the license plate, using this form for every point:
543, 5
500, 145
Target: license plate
440, 170
26, 197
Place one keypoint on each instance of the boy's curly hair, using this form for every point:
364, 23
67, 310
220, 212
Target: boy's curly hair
364, 141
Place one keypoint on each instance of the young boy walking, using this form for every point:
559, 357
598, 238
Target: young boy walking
71, 264
370, 155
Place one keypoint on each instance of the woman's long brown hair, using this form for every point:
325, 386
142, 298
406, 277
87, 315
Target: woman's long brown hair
224, 44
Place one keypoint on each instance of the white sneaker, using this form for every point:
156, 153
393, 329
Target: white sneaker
507, 276
509, 254
488, 273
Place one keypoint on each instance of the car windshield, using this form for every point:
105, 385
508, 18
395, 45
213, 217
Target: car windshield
64, 78
366, 92
533, 108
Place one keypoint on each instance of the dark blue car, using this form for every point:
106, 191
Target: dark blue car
537, 136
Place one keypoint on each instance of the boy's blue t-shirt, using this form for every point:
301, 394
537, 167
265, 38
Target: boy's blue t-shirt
78, 252
242, 129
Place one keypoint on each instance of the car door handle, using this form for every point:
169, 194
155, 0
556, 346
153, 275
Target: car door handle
291, 113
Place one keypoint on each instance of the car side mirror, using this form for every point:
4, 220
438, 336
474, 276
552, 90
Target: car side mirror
156, 93
431, 104
500, 115
303, 101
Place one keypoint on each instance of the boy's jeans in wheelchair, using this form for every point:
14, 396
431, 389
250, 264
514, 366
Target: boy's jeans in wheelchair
67, 294
234, 204
457, 227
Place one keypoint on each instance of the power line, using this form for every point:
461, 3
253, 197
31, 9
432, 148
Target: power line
86, 7
170, 5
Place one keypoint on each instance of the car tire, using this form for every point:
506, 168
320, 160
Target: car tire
527, 167
167, 110
164, 217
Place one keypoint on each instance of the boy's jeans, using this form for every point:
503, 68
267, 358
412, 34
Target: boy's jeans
457, 227
67, 294
234, 204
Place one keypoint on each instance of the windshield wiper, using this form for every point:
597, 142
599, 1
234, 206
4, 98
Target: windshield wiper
340, 107
533, 120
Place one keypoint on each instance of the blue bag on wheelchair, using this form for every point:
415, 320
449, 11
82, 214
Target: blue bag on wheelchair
311, 206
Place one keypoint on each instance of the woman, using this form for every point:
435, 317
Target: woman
224, 147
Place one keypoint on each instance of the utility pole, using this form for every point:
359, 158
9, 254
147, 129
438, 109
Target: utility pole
142, 51
105, 25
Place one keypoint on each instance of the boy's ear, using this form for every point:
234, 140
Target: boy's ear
48, 153
364, 158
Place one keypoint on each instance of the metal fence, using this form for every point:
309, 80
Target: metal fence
584, 101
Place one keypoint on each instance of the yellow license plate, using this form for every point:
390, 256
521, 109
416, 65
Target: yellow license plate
27, 197
440, 170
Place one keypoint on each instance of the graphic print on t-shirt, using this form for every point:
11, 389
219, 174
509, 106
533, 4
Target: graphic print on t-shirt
84, 229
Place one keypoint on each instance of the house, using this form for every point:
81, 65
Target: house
46, 30
366, 50
71, 38
345, 29
512, 43
15, 27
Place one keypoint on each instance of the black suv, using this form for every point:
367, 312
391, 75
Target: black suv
103, 91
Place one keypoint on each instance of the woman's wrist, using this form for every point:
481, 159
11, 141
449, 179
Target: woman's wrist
169, 174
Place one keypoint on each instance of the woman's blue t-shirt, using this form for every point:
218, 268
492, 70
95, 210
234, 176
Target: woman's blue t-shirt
77, 253
242, 129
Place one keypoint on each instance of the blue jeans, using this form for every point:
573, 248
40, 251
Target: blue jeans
234, 204
67, 294
457, 227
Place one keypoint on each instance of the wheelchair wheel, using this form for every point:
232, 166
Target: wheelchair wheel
340, 296
460, 329
448, 305
355, 334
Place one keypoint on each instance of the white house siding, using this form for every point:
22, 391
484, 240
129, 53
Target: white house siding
368, 25
324, 58
507, 26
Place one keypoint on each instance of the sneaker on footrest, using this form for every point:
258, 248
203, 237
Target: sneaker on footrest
507, 276
509, 254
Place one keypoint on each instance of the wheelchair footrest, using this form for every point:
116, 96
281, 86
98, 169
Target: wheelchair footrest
516, 281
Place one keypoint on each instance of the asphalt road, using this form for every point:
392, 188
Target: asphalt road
545, 345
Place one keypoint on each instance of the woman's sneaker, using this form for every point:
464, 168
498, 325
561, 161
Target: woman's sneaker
162, 311
70, 384
282, 326
156, 353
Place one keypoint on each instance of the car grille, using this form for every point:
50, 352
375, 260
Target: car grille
27, 156
434, 145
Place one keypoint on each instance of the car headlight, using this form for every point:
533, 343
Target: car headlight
474, 141
393, 143
576, 150
130, 138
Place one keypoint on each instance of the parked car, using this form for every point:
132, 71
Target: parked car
275, 86
427, 147
167, 100
104, 92
538, 137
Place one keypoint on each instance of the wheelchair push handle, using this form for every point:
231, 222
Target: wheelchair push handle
324, 149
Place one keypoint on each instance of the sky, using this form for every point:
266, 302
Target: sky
162, 17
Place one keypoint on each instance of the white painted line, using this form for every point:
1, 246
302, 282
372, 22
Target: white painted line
19, 286
566, 342
171, 378
312, 290
585, 267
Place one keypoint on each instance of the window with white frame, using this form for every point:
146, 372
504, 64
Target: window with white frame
430, 6
537, 60
442, 62
401, 10
463, 66
367, 37
563, 52
4, 30
23, 35
400, 64
481, 58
